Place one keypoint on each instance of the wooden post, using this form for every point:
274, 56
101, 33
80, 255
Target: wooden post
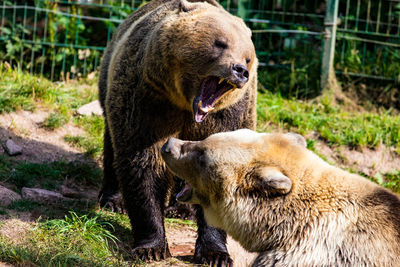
328, 54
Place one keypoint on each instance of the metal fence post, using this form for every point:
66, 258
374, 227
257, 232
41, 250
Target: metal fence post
328, 52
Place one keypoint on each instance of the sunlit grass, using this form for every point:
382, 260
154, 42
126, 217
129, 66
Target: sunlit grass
329, 122
75, 240
92, 141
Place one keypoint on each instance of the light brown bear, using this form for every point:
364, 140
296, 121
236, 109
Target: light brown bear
277, 198
174, 68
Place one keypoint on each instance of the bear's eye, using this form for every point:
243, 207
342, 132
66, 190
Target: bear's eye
221, 44
248, 60
201, 160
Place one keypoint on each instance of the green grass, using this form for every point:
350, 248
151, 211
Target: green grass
392, 181
55, 120
92, 141
19, 90
23, 205
173, 221
75, 240
331, 123
93, 239
47, 175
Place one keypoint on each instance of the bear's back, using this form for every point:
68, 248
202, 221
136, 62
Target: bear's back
137, 20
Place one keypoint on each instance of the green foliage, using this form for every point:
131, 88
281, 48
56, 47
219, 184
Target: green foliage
378, 60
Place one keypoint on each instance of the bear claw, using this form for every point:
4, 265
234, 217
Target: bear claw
151, 254
112, 202
214, 259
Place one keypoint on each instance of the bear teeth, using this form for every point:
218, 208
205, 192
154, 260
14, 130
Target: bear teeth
206, 109
233, 85
221, 80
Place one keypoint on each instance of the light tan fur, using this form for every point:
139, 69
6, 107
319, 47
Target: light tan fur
277, 198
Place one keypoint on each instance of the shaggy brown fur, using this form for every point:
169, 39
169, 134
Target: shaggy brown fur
161, 76
279, 199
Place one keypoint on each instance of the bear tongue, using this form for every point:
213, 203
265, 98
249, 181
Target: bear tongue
211, 90
185, 194
200, 111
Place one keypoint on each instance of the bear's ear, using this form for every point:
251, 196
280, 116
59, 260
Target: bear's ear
186, 6
189, 5
273, 181
297, 138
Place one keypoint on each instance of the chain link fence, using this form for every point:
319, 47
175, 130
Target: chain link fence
296, 40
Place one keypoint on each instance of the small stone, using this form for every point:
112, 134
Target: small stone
12, 148
7, 196
43, 196
92, 108
69, 192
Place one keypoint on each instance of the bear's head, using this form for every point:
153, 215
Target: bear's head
234, 166
208, 58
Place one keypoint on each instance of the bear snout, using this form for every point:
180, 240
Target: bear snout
241, 73
172, 147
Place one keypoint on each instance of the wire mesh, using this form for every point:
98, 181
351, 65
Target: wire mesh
368, 39
64, 39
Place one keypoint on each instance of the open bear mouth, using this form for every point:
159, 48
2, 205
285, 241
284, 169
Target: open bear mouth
185, 194
212, 89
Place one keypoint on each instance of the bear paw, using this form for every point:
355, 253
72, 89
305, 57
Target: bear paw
150, 252
112, 201
214, 259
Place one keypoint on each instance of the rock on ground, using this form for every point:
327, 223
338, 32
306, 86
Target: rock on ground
12, 148
92, 108
43, 196
7, 196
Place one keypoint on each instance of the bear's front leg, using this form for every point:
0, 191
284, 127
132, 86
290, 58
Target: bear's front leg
210, 244
144, 188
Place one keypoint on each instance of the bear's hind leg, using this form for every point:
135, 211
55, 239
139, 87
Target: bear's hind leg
109, 196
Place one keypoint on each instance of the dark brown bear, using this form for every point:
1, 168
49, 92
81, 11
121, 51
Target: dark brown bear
173, 69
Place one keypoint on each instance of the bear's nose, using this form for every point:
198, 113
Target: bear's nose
240, 72
172, 146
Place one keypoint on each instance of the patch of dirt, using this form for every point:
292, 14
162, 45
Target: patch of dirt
181, 240
368, 161
38, 144
372, 96
15, 230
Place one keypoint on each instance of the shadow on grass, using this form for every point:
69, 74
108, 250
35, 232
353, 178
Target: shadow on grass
48, 166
